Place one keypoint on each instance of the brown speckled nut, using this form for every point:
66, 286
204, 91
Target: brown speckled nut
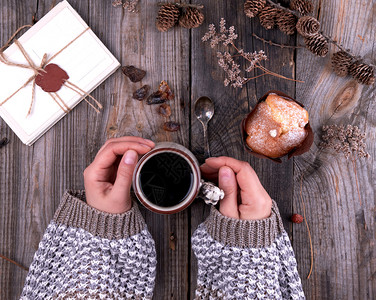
317, 44
341, 62
297, 219
363, 73
253, 7
168, 16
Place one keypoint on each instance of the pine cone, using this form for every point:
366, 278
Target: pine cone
286, 22
307, 26
168, 16
317, 44
363, 73
191, 18
253, 7
305, 7
268, 17
341, 62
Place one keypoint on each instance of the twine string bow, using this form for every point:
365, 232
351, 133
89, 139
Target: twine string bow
38, 70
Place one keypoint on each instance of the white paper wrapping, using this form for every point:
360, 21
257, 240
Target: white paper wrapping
87, 62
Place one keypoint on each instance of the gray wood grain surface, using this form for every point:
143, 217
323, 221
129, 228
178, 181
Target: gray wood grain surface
342, 225
32, 179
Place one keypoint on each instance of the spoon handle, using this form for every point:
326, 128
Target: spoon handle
206, 139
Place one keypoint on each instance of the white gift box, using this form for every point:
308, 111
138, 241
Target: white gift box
86, 60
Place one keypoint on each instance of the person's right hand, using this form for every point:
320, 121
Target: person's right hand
245, 197
108, 178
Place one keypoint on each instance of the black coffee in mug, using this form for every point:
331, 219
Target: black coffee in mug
166, 179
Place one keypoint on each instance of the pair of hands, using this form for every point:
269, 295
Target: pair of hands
108, 180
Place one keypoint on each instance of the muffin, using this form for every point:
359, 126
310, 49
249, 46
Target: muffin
276, 126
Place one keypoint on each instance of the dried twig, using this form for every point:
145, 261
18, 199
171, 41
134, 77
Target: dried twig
13, 262
198, 6
295, 13
305, 221
328, 38
227, 36
275, 44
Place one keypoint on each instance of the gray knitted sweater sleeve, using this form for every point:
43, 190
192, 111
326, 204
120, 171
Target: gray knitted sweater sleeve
89, 254
244, 259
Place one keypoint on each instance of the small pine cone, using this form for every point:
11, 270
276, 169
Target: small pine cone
363, 73
307, 26
253, 7
191, 18
268, 17
305, 7
341, 62
317, 44
286, 22
168, 16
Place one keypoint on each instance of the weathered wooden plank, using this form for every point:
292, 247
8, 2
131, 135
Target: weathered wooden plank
276, 178
15, 237
343, 230
165, 56
232, 105
38, 175
32, 179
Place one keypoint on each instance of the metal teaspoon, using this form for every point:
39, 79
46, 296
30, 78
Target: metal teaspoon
204, 111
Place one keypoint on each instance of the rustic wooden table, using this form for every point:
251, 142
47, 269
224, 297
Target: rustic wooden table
32, 179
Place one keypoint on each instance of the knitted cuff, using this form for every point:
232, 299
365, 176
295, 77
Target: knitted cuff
244, 233
73, 211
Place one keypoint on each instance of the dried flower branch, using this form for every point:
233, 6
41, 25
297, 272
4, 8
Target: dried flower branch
227, 36
316, 41
130, 5
348, 140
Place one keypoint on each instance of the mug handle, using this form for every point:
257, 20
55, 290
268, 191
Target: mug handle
210, 192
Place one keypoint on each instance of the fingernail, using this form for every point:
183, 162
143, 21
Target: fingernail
225, 173
150, 142
130, 157
146, 146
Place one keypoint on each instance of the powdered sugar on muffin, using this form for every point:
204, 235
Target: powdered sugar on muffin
276, 126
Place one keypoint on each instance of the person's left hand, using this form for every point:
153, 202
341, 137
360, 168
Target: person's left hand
108, 178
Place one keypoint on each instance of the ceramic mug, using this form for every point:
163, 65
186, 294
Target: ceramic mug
197, 187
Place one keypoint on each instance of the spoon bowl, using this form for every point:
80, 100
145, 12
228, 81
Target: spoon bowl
204, 111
